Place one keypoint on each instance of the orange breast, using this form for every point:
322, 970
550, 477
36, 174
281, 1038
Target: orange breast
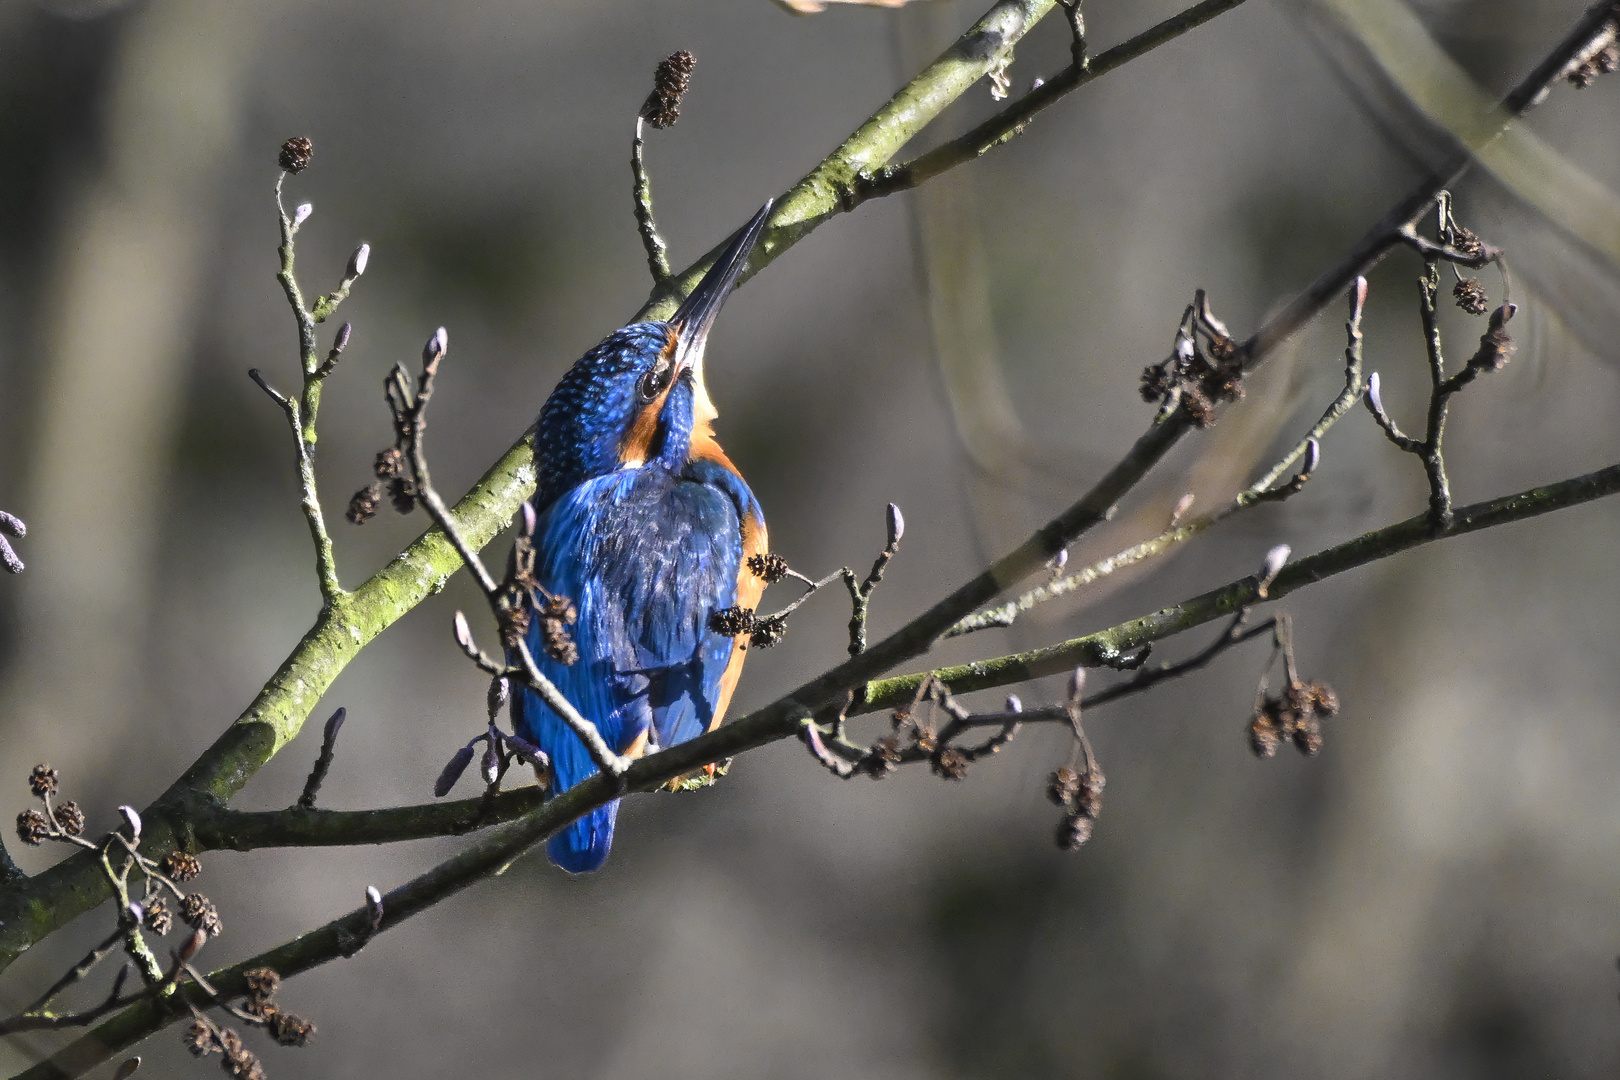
750, 587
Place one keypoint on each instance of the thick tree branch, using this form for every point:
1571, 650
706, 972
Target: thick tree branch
241, 830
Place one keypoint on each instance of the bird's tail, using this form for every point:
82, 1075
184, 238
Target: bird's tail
582, 845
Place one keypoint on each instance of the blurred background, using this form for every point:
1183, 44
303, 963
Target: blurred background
1437, 894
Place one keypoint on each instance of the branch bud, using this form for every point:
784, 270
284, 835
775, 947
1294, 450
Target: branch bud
1014, 703
374, 906
127, 1069
464, 636
301, 214
500, 692
357, 261
527, 749
1313, 456
1373, 397
529, 520
341, 342
189, 947
436, 346
452, 771
134, 821
334, 723
897, 525
1077, 685
1275, 559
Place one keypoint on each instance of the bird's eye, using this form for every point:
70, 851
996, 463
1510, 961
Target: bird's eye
654, 382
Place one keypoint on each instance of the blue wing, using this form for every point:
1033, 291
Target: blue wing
647, 557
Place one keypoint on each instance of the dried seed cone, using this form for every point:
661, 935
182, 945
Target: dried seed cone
732, 621
363, 507
402, 493
1307, 736
670, 83
557, 614
770, 568
158, 918
289, 1029
180, 866
262, 984
42, 781
70, 819
1264, 738
296, 154
767, 633
1470, 296
32, 827
1073, 832
389, 464
1467, 242
199, 1039
199, 913
951, 764
1062, 786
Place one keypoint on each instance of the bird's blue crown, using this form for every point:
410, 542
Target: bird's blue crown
615, 406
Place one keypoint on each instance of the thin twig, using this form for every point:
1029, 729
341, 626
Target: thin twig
323, 763
657, 251
302, 413
1430, 449
860, 595
74, 975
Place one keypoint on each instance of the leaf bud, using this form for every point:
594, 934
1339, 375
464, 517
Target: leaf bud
436, 346
452, 771
134, 821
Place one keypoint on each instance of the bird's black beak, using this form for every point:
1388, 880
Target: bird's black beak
693, 320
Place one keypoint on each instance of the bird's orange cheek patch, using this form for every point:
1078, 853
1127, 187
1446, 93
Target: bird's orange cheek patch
638, 440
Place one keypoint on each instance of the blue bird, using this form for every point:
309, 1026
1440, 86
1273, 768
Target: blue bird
648, 527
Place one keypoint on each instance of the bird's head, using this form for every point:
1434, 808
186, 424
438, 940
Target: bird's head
636, 398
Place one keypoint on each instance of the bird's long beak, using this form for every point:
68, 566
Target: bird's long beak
695, 317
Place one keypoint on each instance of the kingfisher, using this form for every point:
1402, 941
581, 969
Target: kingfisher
644, 522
